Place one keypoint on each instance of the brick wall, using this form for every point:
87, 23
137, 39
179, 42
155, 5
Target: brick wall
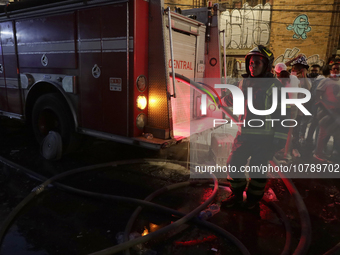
320, 41
318, 44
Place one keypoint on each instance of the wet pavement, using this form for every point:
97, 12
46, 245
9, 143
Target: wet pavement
60, 222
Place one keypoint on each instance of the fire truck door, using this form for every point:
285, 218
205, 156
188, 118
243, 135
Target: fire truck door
103, 59
116, 46
9, 82
184, 64
90, 82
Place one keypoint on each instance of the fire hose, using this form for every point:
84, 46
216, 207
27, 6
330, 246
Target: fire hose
305, 239
189, 217
202, 88
305, 235
306, 228
184, 217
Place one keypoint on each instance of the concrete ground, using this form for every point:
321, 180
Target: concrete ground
58, 222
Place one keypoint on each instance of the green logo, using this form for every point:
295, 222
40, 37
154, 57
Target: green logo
300, 27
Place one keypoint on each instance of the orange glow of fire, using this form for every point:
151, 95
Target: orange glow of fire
154, 227
145, 232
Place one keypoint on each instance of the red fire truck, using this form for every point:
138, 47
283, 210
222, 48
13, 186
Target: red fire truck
100, 68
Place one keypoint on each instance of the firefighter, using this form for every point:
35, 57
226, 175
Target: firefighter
257, 143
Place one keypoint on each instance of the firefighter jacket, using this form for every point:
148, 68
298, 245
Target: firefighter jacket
262, 127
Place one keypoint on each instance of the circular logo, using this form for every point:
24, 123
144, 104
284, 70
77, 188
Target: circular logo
96, 71
44, 60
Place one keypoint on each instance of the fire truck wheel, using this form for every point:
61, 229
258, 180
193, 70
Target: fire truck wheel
50, 113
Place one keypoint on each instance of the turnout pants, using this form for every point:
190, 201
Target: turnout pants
260, 151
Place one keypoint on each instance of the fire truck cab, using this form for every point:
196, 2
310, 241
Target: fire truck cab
99, 68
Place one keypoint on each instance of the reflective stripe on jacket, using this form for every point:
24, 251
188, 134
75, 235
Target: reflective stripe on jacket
262, 97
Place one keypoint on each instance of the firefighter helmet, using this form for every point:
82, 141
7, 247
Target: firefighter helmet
262, 51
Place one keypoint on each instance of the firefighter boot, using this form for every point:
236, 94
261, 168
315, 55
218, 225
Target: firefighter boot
253, 207
236, 198
232, 201
255, 193
250, 204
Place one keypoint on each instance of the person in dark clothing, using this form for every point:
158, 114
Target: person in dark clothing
314, 123
314, 71
299, 68
259, 143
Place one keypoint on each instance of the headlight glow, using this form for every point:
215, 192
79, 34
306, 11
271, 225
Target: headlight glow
141, 102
